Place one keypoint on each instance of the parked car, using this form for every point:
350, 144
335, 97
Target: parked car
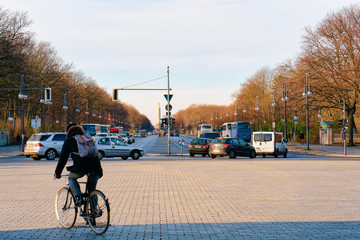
209, 135
46, 145
199, 146
101, 135
231, 147
124, 137
269, 143
115, 147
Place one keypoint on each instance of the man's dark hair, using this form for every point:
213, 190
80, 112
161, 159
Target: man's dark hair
69, 126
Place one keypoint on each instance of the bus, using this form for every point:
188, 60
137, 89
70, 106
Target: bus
226, 129
105, 128
92, 129
204, 128
242, 130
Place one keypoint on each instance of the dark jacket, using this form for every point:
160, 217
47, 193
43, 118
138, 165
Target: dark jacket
88, 165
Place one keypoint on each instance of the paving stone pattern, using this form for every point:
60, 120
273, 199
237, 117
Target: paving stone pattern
183, 198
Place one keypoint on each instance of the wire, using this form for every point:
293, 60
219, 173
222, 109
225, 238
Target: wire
145, 81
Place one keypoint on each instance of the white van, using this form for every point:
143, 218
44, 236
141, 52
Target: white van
269, 143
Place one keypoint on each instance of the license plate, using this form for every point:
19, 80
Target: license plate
197, 146
216, 150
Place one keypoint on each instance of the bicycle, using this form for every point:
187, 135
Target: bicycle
94, 208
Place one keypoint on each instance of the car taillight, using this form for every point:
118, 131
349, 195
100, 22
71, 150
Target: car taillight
210, 144
227, 145
38, 145
190, 146
206, 146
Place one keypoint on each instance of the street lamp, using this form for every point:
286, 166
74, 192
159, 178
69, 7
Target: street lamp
307, 93
257, 108
22, 97
244, 111
295, 122
285, 98
87, 112
77, 111
235, 113
42, 100
273, 105
65, 107
48, 103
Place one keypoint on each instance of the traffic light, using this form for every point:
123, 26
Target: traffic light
166, 121
48, 94
172, 121
114, 94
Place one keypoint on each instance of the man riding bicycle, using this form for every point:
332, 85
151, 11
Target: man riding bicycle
81, 167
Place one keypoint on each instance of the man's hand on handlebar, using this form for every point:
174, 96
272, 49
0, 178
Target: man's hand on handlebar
57, 176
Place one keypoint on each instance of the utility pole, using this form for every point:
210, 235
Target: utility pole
168, 109
344, 129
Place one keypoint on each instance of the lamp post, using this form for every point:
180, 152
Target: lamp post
77, 111
22, 97
307, 93
87, 112
273, 105
257, 108
285, 98
100, 116
65, 107
42, 100
244, 111
48, 103
295, 122
235, 113
93, 113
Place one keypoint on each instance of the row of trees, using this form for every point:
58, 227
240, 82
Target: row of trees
21, 54
330, 56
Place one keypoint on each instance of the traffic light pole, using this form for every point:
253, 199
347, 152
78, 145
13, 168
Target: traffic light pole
168, 110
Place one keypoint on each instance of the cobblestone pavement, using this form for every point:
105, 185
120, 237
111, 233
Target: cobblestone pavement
194, 198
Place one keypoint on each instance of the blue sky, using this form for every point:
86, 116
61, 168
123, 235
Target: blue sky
211, 46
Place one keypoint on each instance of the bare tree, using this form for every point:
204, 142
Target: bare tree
331, 55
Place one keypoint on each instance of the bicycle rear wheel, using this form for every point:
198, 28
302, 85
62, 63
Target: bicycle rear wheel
65, 209
98, 212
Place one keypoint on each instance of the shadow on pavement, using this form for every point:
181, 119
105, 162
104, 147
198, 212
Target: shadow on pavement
243, 230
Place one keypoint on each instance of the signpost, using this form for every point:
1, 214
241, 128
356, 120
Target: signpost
181, 142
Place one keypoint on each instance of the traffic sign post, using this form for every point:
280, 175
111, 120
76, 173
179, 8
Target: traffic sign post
181, 142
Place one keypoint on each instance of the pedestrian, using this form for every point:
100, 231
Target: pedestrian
81, 167
302, 137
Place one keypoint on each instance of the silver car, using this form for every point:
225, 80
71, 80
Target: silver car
46, 145
115, 147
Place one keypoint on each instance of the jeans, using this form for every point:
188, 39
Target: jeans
90, 184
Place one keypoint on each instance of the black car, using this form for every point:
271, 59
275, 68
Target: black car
231, 147
199, 146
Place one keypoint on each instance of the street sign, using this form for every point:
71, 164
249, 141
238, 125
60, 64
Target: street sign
181, 142
168, 107
166, 97
36, 123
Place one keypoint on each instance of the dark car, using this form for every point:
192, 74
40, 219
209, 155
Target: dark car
231, 147
199, 146
211, 135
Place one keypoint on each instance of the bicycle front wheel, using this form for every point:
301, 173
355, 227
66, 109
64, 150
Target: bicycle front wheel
65, 209
98, 212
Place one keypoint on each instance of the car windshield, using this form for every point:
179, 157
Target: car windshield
38, 137
219, 140
206, 127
